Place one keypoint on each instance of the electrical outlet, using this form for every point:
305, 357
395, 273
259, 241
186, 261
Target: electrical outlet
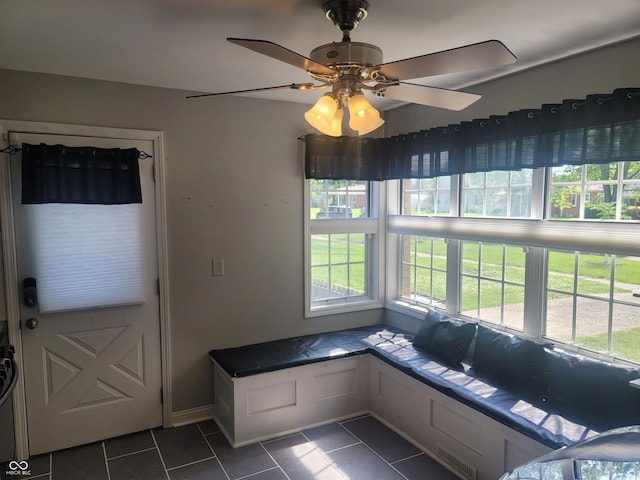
218, 267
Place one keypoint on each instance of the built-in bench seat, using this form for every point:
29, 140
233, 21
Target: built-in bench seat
529, 406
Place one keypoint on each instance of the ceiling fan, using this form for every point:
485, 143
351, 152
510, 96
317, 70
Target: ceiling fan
351, 68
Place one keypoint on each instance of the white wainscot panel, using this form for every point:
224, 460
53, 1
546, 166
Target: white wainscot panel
398, 392
271, 397
519, 449
452, 421
334, 384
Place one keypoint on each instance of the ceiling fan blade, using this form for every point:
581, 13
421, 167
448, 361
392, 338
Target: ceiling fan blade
283, 54
491, 53
292, 86
431, 96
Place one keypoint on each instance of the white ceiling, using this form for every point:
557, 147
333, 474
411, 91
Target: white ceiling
182, 44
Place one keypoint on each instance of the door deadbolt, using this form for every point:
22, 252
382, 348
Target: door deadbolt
29, 292
32, 323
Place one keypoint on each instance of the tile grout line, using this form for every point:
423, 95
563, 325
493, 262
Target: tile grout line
357, 442
166, 472
373, 451
42, 475
276, 439
274, 460
195, 462
106, 460
276, 467
407, 458
326, 457
213, 451
131, 453
349, 420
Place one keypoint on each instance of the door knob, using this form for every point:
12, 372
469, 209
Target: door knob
32, 323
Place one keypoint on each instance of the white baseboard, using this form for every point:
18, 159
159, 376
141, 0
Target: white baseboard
193, 415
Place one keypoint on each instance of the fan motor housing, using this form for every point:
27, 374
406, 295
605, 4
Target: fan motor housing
346, 54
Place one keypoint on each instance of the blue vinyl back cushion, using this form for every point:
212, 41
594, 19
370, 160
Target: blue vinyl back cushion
431, 318
597, 391
445, 338
511, 361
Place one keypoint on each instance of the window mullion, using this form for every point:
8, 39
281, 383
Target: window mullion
502, 291
414, 266
576, 275
620, 190
454, 263
479, 297
612, 285
348, 266
539, 188
535, 281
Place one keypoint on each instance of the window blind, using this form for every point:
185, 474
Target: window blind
86, 256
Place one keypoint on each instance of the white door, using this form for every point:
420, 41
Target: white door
95, 372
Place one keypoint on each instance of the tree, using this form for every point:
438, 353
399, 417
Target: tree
561, 197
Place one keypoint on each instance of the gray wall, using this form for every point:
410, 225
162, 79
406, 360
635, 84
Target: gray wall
234, 191
599, 71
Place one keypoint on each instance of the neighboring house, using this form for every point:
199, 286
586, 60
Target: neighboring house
353, 196
594, 195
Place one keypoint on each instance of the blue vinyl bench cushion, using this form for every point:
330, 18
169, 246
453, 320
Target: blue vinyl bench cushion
530, 414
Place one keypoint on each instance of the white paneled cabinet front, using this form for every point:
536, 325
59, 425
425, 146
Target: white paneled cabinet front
268, 405
468, 442
257, 407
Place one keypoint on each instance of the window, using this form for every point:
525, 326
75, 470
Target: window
574, 281
342, 246
498, 194
492, 283
424, 270
591, 302
427, 196
610, 191
574, 199
338, 266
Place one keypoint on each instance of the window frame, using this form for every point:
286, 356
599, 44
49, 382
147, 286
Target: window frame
537, 235
374, 228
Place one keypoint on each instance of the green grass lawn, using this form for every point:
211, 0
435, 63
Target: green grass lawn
624, 343
339, 261
596, 266
342, 262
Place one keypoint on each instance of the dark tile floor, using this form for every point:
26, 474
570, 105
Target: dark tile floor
356, 449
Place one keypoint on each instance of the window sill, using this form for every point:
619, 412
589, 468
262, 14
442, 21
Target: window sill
407, 308
342, 307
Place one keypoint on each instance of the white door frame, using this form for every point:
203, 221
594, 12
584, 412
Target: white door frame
10, 258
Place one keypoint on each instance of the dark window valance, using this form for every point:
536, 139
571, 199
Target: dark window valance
598, 129
87, 175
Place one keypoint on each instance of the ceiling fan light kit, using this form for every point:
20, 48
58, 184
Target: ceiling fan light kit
352, 68
325, 116
363, 118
